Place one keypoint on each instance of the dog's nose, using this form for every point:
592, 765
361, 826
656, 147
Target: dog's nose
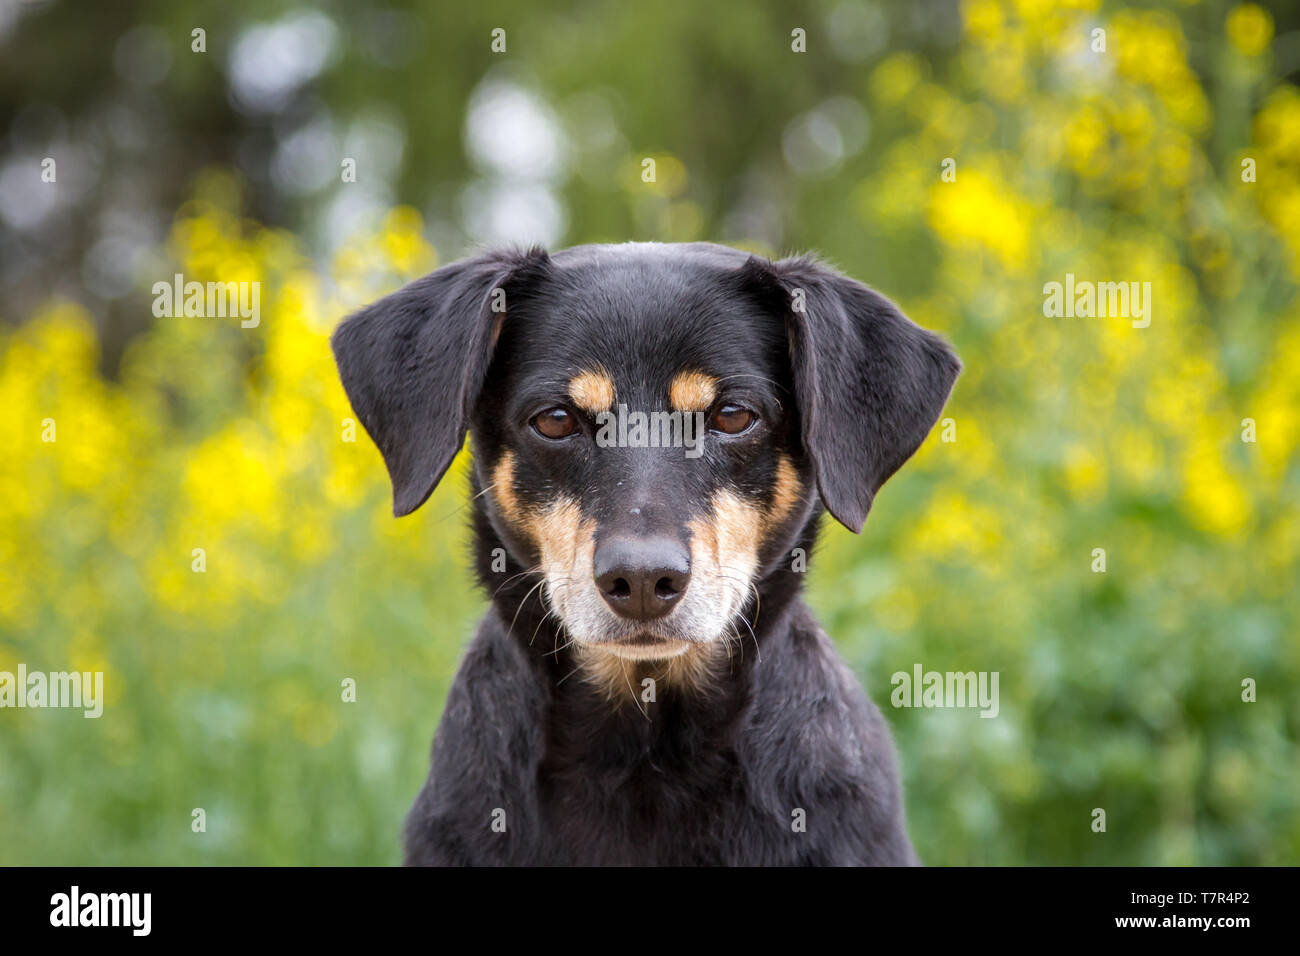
641, 578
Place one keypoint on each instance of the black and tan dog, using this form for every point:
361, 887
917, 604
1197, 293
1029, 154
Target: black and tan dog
648, 686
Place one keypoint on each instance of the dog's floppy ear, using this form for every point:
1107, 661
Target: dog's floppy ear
414, 362
868, 381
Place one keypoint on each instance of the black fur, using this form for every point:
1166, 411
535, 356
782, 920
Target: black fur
845, 387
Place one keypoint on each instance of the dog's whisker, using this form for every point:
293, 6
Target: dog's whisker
727, 640
533, 570
632, 693
568, 675
565, 646
555, 652
762, 378
550, 612
523, 601
757, 650
465, 504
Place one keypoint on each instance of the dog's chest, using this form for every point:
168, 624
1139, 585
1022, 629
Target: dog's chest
646, 794
651, 812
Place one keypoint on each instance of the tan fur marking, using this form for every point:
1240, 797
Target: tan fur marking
736, 526
692, 392
566, 540
592, 391
786, 492
503, 488
619, 679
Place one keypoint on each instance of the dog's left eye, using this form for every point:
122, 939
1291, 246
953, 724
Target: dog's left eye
731, 419
555, 423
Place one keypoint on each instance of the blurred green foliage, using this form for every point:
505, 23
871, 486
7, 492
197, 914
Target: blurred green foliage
1119, 690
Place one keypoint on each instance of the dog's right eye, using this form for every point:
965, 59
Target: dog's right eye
555, 423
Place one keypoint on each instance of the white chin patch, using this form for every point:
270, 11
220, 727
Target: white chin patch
653, 651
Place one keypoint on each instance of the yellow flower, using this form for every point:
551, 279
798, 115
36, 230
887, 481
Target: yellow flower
1213, 498
1085, 473
983, 18
404, 243
1086, 138
978, 209
1138, 456
1250, 29
895, 78
956, 528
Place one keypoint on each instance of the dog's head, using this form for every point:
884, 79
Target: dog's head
654, 425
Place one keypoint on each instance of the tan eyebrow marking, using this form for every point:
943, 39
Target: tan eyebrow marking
692, 392
592, 391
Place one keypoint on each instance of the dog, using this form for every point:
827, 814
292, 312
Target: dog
648, 686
